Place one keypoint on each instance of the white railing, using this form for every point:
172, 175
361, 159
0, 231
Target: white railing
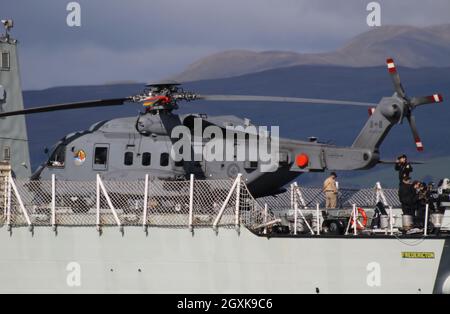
296, 198
299, 207
381, 197
179, 204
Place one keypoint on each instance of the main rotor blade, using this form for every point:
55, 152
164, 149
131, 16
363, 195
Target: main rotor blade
419, 101
283, 99
395, 78
393, 162
418, 141
66, 106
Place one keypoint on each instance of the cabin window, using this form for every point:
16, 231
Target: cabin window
250, 166
4, 65
284, 159
146, 159
6, 153
164, 161
128, 159
101, 156
58, 157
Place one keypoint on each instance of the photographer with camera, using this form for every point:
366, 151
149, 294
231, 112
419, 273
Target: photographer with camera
403, 167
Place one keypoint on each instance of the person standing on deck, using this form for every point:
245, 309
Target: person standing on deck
331, 191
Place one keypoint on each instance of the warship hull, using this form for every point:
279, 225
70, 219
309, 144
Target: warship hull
79, 260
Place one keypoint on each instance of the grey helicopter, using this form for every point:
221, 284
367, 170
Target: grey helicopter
129, 148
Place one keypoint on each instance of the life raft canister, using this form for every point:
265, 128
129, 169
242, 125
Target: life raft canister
360, 225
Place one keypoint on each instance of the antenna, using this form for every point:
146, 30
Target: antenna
8, 24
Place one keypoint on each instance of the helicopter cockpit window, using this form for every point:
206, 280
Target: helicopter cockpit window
128, 159
164, 161
146, 159
58, 157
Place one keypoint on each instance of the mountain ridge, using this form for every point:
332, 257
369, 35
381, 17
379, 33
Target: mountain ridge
411, 46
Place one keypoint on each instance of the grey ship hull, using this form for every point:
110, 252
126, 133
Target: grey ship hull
78, 260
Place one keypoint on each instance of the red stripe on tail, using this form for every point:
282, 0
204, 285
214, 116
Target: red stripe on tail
419, 145
391, 66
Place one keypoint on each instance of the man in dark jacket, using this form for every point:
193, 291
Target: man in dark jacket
422, 201
408, 197
403, 167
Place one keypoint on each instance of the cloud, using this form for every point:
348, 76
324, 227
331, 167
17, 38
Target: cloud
141, 38
89, 65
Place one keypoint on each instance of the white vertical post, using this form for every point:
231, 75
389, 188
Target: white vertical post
355, 220
144, 219
318, 218
5, 203
8, 214
53, 204
238, 204
299, 195
295, 213
425, 229
377, 192
391, 221
292, 196
98, 202
266, 214
191, 203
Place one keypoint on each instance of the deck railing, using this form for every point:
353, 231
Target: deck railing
148, 203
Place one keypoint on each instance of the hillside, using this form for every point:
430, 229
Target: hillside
411, 46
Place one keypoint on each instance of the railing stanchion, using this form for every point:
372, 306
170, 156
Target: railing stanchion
144, 218
225, 203
99, 228
391, 221
318, 218
380, 196
299, 197
292, 196
191, 203
425, 229
355, 220
21, 204
53, 204
266, 214
111, 205
295, 212
237, 221
5, 203
8, 213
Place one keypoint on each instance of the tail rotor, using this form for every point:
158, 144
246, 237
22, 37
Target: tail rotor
410, 103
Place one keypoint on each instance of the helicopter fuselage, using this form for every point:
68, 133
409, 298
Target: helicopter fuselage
128, 149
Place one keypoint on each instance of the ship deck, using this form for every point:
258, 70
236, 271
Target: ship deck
202, 204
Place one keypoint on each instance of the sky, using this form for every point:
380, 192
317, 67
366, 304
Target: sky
148, 40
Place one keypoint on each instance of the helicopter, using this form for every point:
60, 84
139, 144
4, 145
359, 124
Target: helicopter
128, 148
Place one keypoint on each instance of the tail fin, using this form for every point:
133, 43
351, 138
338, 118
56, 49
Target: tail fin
13, 133
376, 128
